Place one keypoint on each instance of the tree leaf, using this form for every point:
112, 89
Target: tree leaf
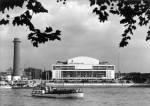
4, 22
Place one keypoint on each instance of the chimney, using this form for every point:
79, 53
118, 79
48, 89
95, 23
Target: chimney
16, 62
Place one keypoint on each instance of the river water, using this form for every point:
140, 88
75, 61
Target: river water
93, 97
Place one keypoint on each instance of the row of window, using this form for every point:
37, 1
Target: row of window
73, 68
103, 67
63, 67
97, 74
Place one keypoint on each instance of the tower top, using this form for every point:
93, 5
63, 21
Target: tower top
16, 40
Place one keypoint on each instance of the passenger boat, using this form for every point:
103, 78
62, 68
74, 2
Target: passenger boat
50, 92
21, 87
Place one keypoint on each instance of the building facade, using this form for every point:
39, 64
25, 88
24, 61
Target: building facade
32, 73
47, 75
83, 68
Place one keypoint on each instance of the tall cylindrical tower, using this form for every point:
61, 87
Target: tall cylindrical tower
16, 62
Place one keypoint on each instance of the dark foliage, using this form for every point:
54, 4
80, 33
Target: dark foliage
35, 6
132, 13
24, 19
64, 1
7, 4
32, 7
41, 37
4, 22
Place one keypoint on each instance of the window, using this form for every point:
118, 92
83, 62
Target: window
103, 67
110, 67
99, 74
68, 74
63, 67
83, 74
99, 67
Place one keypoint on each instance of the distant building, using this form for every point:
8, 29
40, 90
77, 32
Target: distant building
5, 76
83, 68
32, 73
47, 75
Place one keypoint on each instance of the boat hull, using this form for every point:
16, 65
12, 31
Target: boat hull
15, 87
71, 95
5, 87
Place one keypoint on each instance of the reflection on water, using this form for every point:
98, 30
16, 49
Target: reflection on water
93, 97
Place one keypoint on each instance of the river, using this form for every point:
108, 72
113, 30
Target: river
93, 97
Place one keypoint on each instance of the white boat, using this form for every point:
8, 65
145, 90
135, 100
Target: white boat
4, 85
51, 92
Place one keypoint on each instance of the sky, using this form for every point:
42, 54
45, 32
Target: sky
82, 35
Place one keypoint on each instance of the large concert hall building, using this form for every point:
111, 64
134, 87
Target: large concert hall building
83, 68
